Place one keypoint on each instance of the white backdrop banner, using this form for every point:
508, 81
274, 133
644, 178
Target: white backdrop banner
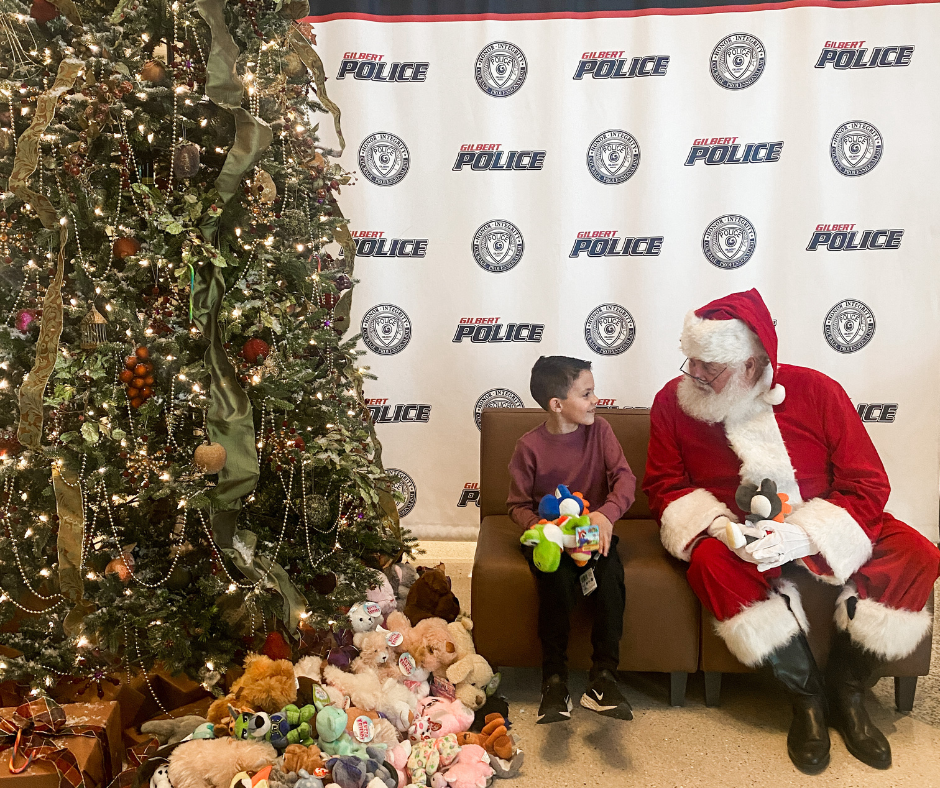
573, 183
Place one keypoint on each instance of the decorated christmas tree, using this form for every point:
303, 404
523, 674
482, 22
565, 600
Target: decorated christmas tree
187, 463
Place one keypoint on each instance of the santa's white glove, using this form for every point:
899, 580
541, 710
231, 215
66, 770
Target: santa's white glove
783, 543
732, 535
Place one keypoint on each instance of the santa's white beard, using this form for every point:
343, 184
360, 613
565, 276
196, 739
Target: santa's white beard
701, 402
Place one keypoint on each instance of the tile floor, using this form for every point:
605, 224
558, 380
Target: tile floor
741, 744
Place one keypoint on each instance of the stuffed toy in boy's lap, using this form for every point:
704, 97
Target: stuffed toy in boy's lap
565, 525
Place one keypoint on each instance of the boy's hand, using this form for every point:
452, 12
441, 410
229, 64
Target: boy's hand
606, 529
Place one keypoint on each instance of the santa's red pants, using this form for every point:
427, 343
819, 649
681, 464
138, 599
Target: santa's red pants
896, 582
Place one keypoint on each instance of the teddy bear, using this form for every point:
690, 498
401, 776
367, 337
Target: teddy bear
266, 685
429, 641
297, 757
367, 691
364, 616
470, 769
451, 715
460, 630
212, 763
471, 676
494, 738
383, 595
374, 654
402, 577
413, 676
429, 757
431, 597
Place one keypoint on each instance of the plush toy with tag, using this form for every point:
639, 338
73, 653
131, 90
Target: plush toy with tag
761, 503
375, 654
470, 769
428, 757
365, 616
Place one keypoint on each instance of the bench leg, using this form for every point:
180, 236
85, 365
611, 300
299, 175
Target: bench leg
904, 688
712, 688
677, 683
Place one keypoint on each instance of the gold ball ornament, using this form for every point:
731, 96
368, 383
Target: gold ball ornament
266, 189
122, 567
294, 66
186, 160
7, 142
153, 71
210, 457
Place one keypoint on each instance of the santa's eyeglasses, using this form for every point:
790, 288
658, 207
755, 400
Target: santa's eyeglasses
687, 365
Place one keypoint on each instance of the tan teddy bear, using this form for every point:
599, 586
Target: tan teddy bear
266, 685
375, 655
470, 676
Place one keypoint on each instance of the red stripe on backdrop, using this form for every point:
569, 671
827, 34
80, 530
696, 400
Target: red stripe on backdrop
723, 9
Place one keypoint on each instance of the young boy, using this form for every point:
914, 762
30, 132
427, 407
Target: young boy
573, 449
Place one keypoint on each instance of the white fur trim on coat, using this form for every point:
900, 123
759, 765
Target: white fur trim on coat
888, 632
755, 437
721, 341
760, 629
687, 517
840, 540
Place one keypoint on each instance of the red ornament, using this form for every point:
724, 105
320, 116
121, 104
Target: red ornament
43, 11
125, 247
25, 318
255, 350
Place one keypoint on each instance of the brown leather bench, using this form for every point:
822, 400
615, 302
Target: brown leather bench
661, 616
664, 626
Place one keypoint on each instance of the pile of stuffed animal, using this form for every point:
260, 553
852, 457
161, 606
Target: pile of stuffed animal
413, 708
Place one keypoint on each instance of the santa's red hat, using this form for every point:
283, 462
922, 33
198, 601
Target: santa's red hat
732, 329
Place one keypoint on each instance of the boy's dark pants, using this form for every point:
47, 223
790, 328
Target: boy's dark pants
559, 592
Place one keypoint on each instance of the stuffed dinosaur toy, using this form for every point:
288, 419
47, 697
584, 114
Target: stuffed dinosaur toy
291, 725
549, 540
551, 507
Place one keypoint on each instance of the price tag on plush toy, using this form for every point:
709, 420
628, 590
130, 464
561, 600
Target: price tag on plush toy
363, 729
442, 688
588, 537
588, 582
394, 639
320, 696
372, 609
407, 664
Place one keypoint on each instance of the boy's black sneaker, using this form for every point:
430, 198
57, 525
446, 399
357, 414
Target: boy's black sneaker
556, 702
604, 697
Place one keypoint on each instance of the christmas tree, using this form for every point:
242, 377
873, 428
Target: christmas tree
187, 463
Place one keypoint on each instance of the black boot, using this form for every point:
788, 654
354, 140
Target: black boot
848, 674
808, 740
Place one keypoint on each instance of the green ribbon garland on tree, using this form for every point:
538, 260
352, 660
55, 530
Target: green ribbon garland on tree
230, 420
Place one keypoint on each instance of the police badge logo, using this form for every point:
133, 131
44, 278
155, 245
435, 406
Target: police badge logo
386, 329
849, 326
383, 159
497, 246
729, 241
737, 61
495, 398
613, 156
856, 148
500, 69
609, 330
402, 483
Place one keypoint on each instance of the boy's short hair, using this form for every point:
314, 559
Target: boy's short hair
552, 376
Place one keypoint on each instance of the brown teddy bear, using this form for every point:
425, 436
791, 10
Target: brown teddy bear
297, 757
494, 738
266, 685
431, 597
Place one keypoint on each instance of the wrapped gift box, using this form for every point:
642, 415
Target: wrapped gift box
97, 766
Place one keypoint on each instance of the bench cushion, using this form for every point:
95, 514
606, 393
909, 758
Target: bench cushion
661, 615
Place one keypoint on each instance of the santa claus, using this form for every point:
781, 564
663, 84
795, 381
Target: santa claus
735, 417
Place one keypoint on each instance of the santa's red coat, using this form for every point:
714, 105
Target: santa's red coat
815, 447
